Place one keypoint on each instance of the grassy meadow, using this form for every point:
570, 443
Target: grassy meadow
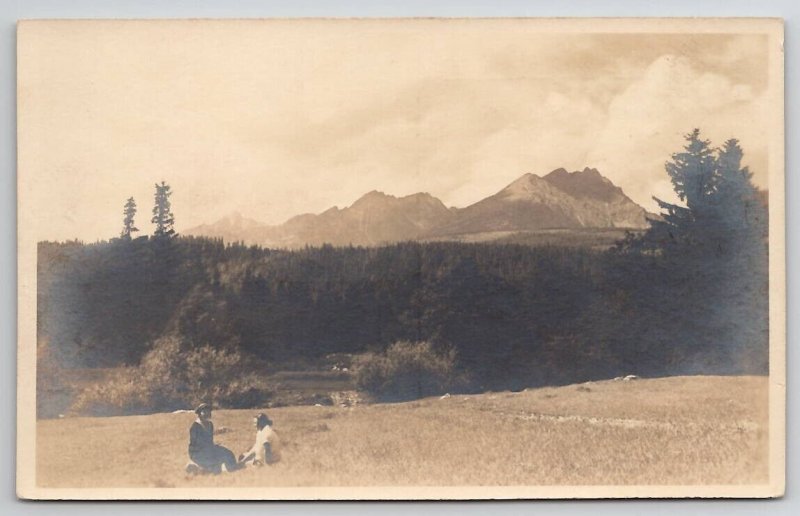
678, 430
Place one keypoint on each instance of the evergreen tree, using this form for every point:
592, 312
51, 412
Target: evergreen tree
128, 226
693, 176
723, 211
737, 199
693, 171
162, 213
709, 290
741, 239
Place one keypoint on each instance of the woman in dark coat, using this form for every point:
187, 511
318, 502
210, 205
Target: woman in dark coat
202, 450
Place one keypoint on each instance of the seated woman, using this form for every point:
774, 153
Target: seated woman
262, 451
204, 454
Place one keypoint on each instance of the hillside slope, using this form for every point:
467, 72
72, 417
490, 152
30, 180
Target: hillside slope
669, 431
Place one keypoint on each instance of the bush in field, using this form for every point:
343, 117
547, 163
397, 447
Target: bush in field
122, 395
406, 370
172, 376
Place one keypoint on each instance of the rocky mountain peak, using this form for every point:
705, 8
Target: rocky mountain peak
587, 183
523, 188
373, 199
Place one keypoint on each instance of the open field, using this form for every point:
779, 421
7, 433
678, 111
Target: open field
594, 238
680, 430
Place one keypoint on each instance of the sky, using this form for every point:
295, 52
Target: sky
276, 118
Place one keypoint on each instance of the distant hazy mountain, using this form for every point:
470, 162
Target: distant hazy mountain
559, 200
375, 218
230, 228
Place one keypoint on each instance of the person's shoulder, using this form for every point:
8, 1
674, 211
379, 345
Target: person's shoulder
199, 426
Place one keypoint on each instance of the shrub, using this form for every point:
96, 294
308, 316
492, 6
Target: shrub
172, 376
407, 370
122, 395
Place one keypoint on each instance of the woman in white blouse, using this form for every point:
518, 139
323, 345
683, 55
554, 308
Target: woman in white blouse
262, 451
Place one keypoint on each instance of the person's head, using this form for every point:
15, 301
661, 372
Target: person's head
203, 411
261, 420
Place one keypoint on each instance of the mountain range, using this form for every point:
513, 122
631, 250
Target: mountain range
559, 201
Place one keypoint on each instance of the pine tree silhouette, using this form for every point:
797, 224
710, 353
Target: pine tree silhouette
162, 213
128, 226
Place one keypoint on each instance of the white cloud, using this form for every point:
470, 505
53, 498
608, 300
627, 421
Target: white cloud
647, 121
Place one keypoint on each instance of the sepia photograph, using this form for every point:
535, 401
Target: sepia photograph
408, 258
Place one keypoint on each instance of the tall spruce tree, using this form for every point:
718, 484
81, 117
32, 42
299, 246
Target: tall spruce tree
693, 171
693, 176
162, 213
128, 226
709, 290
742, 245
722, 209
737, 199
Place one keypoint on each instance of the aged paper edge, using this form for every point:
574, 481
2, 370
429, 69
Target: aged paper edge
26, 325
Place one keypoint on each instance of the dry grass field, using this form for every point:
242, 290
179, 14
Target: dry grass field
682, 430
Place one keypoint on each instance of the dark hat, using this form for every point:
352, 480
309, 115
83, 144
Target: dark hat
263, 420
200, 408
